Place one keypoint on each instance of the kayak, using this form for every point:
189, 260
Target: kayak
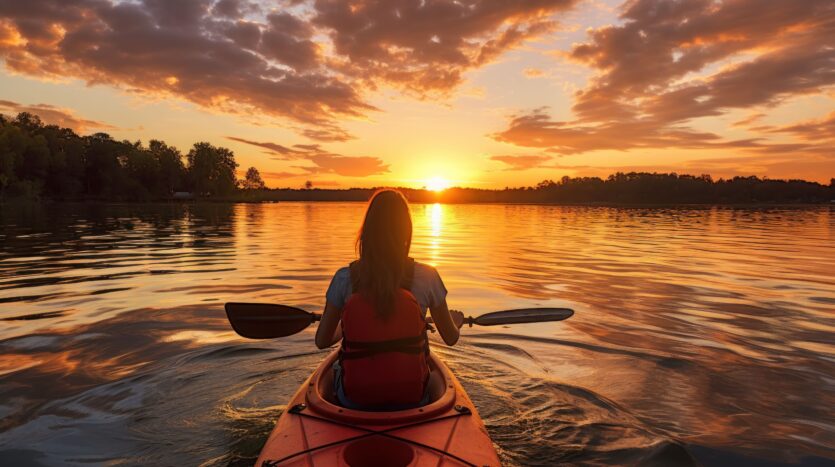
316, 431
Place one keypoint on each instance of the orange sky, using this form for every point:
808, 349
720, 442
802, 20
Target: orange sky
432, 92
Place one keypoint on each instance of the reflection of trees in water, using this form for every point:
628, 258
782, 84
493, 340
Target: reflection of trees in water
50, 244
32, 227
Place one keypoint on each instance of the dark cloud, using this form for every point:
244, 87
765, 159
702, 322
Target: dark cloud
347, 166
642, 61
667, 64
326, 133
282, 175
181, 49
55, 116
287, 39
426, 45
537, 130
271, 147
306, 61
234, 8
819, 131
323, 161
522, 162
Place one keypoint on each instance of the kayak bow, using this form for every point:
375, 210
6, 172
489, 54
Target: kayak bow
316, 431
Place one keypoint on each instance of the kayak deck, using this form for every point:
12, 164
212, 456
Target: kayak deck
315, 431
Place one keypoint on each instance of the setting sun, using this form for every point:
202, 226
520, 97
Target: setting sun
437, 184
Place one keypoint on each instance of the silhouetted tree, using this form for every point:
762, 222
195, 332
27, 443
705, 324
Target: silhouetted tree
308, 185
172, 171
212, 170
253, 180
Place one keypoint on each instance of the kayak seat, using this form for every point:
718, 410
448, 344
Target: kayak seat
436, 385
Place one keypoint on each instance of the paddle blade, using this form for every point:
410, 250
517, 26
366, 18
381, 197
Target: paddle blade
266, 321
523, 315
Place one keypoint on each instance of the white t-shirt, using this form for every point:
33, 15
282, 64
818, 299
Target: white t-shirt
427, 287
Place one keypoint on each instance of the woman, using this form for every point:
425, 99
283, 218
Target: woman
377, 307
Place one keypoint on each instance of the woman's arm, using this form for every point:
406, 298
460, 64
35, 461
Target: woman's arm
329, 331
447, 321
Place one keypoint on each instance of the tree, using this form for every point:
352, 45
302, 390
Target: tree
253, 180
212, 170
308, 185
172, 171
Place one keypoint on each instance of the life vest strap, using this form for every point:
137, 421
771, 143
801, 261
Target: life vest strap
410, 345
386, 345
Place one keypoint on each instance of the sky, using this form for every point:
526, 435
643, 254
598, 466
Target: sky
479, 93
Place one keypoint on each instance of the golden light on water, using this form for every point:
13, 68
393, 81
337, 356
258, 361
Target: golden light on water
437, 216
436, 221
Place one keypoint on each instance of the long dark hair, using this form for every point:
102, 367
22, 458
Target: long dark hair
383, 246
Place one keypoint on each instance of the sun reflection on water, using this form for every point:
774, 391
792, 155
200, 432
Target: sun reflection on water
436, 218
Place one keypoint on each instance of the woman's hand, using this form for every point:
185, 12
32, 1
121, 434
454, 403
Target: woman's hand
457, 318
447, 321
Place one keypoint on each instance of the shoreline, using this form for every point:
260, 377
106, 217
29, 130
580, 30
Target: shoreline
203, 201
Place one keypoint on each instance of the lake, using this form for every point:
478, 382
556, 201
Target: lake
699, 333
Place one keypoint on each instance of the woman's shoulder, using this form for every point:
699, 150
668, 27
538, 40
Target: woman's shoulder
425, 271
342, 274
424, 268
428, 283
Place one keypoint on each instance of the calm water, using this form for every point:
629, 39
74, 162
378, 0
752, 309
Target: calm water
700, 333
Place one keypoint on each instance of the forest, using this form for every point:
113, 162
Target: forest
47, 162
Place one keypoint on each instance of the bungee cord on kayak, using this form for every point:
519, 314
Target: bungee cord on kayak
299, 408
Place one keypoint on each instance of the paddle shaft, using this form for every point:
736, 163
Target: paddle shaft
266, 321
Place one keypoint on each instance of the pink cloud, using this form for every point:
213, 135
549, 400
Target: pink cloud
323, 161
522, 162
53, 115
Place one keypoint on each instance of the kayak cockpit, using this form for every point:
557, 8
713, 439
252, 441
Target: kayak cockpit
314, 430
320, 397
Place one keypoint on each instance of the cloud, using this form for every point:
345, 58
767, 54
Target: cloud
536, 129
821, 130
53, 115
522, 162
749, 120
533, 73
180, 49
272, 147
670, 62
309, 62
281, 175
649, 65
426, 46
327, 134
347, 166
323, 161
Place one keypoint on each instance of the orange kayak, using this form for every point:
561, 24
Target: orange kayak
315, 431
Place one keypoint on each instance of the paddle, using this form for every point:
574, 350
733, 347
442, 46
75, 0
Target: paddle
266, 321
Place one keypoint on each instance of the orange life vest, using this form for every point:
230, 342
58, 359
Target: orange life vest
384, 362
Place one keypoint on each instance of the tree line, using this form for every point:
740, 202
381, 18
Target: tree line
38, 160
619, 188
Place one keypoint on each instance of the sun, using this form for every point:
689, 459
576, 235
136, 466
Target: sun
437, 184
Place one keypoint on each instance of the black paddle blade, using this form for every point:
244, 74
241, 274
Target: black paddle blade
523, 315
266, 321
